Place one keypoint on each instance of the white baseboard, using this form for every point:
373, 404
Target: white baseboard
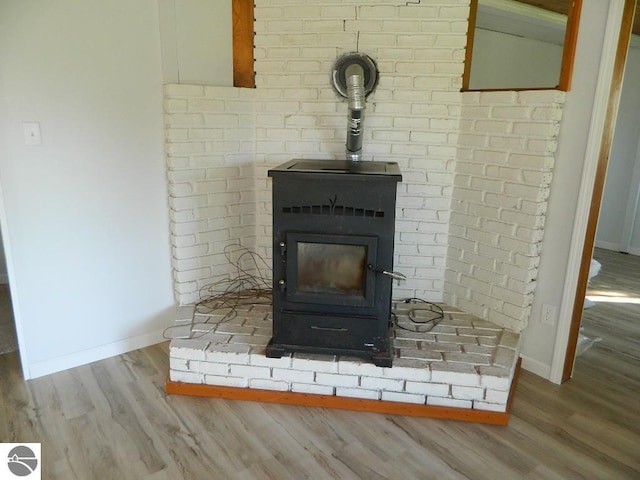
615, 247
536, 367
84, 357
608, 245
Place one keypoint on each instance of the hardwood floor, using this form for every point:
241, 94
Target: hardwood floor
616, 316
8, 341
112, 419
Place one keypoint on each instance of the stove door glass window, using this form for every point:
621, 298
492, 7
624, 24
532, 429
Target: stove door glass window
331, 269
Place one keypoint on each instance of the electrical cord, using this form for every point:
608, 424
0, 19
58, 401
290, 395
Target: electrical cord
247, 288
422, 325
227, 295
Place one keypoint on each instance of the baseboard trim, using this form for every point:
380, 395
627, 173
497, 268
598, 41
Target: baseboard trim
536, 367
615, 247
343, 403
101, 352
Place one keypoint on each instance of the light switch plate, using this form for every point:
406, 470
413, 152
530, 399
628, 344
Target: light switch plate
32, 135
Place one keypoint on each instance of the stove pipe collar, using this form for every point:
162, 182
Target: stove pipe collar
355, 117
355, 76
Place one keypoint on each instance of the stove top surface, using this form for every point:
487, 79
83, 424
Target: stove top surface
340, 167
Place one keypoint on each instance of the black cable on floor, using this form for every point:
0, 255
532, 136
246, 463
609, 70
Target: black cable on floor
422, 325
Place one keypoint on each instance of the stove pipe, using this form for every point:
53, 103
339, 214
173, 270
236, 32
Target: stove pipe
355, 117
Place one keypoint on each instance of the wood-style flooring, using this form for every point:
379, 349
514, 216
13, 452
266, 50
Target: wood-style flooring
112, 419
616, 322
8, 341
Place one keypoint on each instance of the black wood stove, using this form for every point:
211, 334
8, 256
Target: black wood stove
333, 232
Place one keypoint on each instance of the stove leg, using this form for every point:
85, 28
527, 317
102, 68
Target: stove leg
274, 351
382, 355
382, 359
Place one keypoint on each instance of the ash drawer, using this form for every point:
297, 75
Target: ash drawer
326, 331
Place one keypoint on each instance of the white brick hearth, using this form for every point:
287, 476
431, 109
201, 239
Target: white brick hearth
463, 362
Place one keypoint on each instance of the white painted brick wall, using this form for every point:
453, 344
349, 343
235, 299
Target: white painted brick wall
186, 377
402, 397
449, 402
337, 380
311, 388
429, 389
476, 166
358, 393
411, 118
294, 376
503, 174
226, 381
210, 136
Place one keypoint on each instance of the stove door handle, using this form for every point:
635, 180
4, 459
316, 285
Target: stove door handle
331, 329
395, 275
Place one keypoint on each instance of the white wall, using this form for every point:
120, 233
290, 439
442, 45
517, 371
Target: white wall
196, 39
621, 188
4, 278
501, 60
539, 338
634, 202
84, 217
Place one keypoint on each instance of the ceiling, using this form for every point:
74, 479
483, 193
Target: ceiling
562, 6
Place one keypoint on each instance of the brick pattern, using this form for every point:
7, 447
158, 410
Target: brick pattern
470, 209
506, 153
411, 118
462, 362
209, 133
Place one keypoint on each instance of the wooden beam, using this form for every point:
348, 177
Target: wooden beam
243, 70
570, 43
468, 54
345, 403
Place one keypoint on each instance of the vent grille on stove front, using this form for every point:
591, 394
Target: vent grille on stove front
338, 210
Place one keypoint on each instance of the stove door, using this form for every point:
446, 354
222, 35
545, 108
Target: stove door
331, 269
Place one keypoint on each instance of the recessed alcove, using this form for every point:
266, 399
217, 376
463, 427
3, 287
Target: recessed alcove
476, 166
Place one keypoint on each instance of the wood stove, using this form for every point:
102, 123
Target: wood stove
333, 233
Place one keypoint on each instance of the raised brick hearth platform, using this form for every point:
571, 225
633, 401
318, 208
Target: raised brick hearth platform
463, 362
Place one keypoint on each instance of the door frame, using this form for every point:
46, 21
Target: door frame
606, 101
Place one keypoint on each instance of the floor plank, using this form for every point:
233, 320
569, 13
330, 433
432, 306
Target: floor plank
113, 419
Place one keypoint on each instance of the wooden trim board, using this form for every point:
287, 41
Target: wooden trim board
468, 55
243, 69
570, 44
345, 403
